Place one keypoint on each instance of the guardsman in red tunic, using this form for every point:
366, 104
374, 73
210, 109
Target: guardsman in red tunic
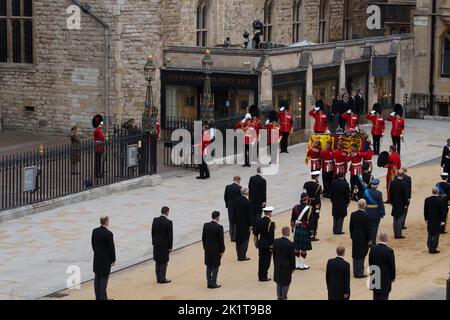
378, 126
206, 141
273, 132
326, 157
367, 155
398, 126
313, 155
356, 160
351, 120
286, 125
320, 118
249, 136
340, 160
394, 164
99, 140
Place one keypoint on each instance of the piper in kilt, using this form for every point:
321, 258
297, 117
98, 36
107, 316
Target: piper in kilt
300, 227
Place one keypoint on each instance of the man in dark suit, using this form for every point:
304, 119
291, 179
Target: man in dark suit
338, 277
361, 235
284, 263
340, 199
257, 187
232, 192
104, 257
382, 262
360, 103
399, 199
408, 182
434, 212
264, 232
162, 239
243, 217
214, 246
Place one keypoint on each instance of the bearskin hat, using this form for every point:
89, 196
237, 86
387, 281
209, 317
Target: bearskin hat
254, 110
285, 104
383, 159
377, 108
319, 104
398, 109
273, 116
96, 120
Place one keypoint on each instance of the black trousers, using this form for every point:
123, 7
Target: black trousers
380, 295
211, 275
204, 171
153, 154
396, 141
247, 155
433, 241
282, 292
265, 255
337, 225
353, 183
342, 123
358, 268
241, 249
376, 144
327, 179
398, 225
406, 214
445, 220
284, 141
98, 165
160, 270
232, 226
100, 285
314, 221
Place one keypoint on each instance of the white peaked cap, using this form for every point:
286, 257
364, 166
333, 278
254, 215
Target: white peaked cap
315, 173
268, 209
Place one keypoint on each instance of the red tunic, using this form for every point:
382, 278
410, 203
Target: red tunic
272, 138
378, 124
340, 161
99, 139
367, 158
286, 121
355, 158
394, 164
352, 120
206, 141
314, 157
256, 123
326, 156
321, 121
398, 125
249, 131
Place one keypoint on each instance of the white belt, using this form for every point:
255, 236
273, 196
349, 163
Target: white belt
356, 164
328, 161
367, 160
315, 159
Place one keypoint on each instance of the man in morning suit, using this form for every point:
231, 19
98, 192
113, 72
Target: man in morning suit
408, 182
338, 277
243, 217
162, 239
257, 187
340, 199
361, 234
104, 257
214, 246
382, 260
264, 232
232, 192
434, 213
398, 197
284, 263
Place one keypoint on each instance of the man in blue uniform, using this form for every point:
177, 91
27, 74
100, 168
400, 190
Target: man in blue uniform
375, 206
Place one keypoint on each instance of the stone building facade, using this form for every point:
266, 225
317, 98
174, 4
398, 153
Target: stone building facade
54, 76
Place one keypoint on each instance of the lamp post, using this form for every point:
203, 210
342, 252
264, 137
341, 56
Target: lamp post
150, 123
207, 100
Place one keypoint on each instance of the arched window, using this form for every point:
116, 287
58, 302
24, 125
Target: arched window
324, 13
297, 18
268, 17
347, 20
445, 56
202, 24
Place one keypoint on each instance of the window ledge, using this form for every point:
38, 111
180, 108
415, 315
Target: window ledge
17, 67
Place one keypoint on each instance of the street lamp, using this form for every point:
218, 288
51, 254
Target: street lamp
150, 122
207, 101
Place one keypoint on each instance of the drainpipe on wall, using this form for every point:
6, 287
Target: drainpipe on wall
432, 57
87, 9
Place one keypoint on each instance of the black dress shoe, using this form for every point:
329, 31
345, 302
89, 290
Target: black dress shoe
165, 281
216, 286
444, 232
339, 233
434, 251
265, 280
244, 259
314, 239
401, 237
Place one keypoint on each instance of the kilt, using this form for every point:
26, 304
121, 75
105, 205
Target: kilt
302, 240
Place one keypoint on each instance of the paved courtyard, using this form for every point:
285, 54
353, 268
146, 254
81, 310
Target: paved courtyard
35, 251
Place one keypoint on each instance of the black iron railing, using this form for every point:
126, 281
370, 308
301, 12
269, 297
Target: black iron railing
69, 169
418, 105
